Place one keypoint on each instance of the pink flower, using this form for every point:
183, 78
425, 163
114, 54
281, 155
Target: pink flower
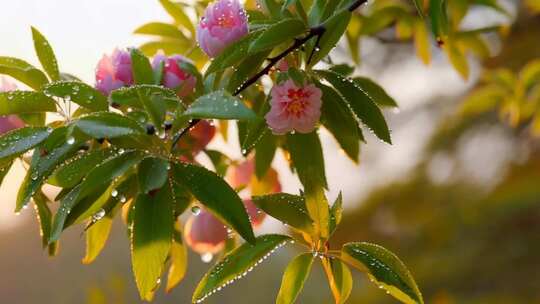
204, 233
9, 122
114, 71
224, 22
174, 77
294, 108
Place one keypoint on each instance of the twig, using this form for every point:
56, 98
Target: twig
316, 31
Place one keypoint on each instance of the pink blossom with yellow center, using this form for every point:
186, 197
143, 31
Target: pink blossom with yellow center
9, 122
204, 233
224, 22
174, 77
114, 71
294, 108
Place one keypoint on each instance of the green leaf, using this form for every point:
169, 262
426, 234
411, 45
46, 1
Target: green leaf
160, 29
4, 169
78, 92
142, 70
131, 96
153, 174
216, 195
18, 141
361, 103
99, 178
151, 238
221, 105
247, 69
44, 216
108, 125
343, 69
272, 8
340, 279
232, 54
340, 121
307, 159
219, 160
23, 72
419, 4
178, 257
294, 278
52, 152
385, 269
287, 208
265, 151
439, 19
156, 108
96, 237
376, 92
46, 55
19, 102
335, 27
236, 264
336, 213
280, 32
69, 174
178, 14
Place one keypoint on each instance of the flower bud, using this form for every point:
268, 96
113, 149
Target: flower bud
224, 22
173, 76
114, 71
294, 108
204, 233
255, 214
9, 122
198, 137
243, 176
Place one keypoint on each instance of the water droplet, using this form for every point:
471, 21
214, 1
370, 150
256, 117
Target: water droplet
122, 199
196, 210
207, 257
98, 215
114, 193
70, 140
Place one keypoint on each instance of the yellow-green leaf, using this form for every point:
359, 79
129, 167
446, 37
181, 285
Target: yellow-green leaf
46, 55
151, 238
294, 278
178, 257
385, 269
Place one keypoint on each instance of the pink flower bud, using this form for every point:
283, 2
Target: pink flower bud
243, 176
114, 71
204, 233
9, 122
198, 137
174, 77
255, 214
294, 108
224, 22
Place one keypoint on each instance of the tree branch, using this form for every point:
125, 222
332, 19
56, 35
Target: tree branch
316, 31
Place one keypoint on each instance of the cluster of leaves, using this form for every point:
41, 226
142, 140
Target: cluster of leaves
125, 158
404, 17
515, 95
